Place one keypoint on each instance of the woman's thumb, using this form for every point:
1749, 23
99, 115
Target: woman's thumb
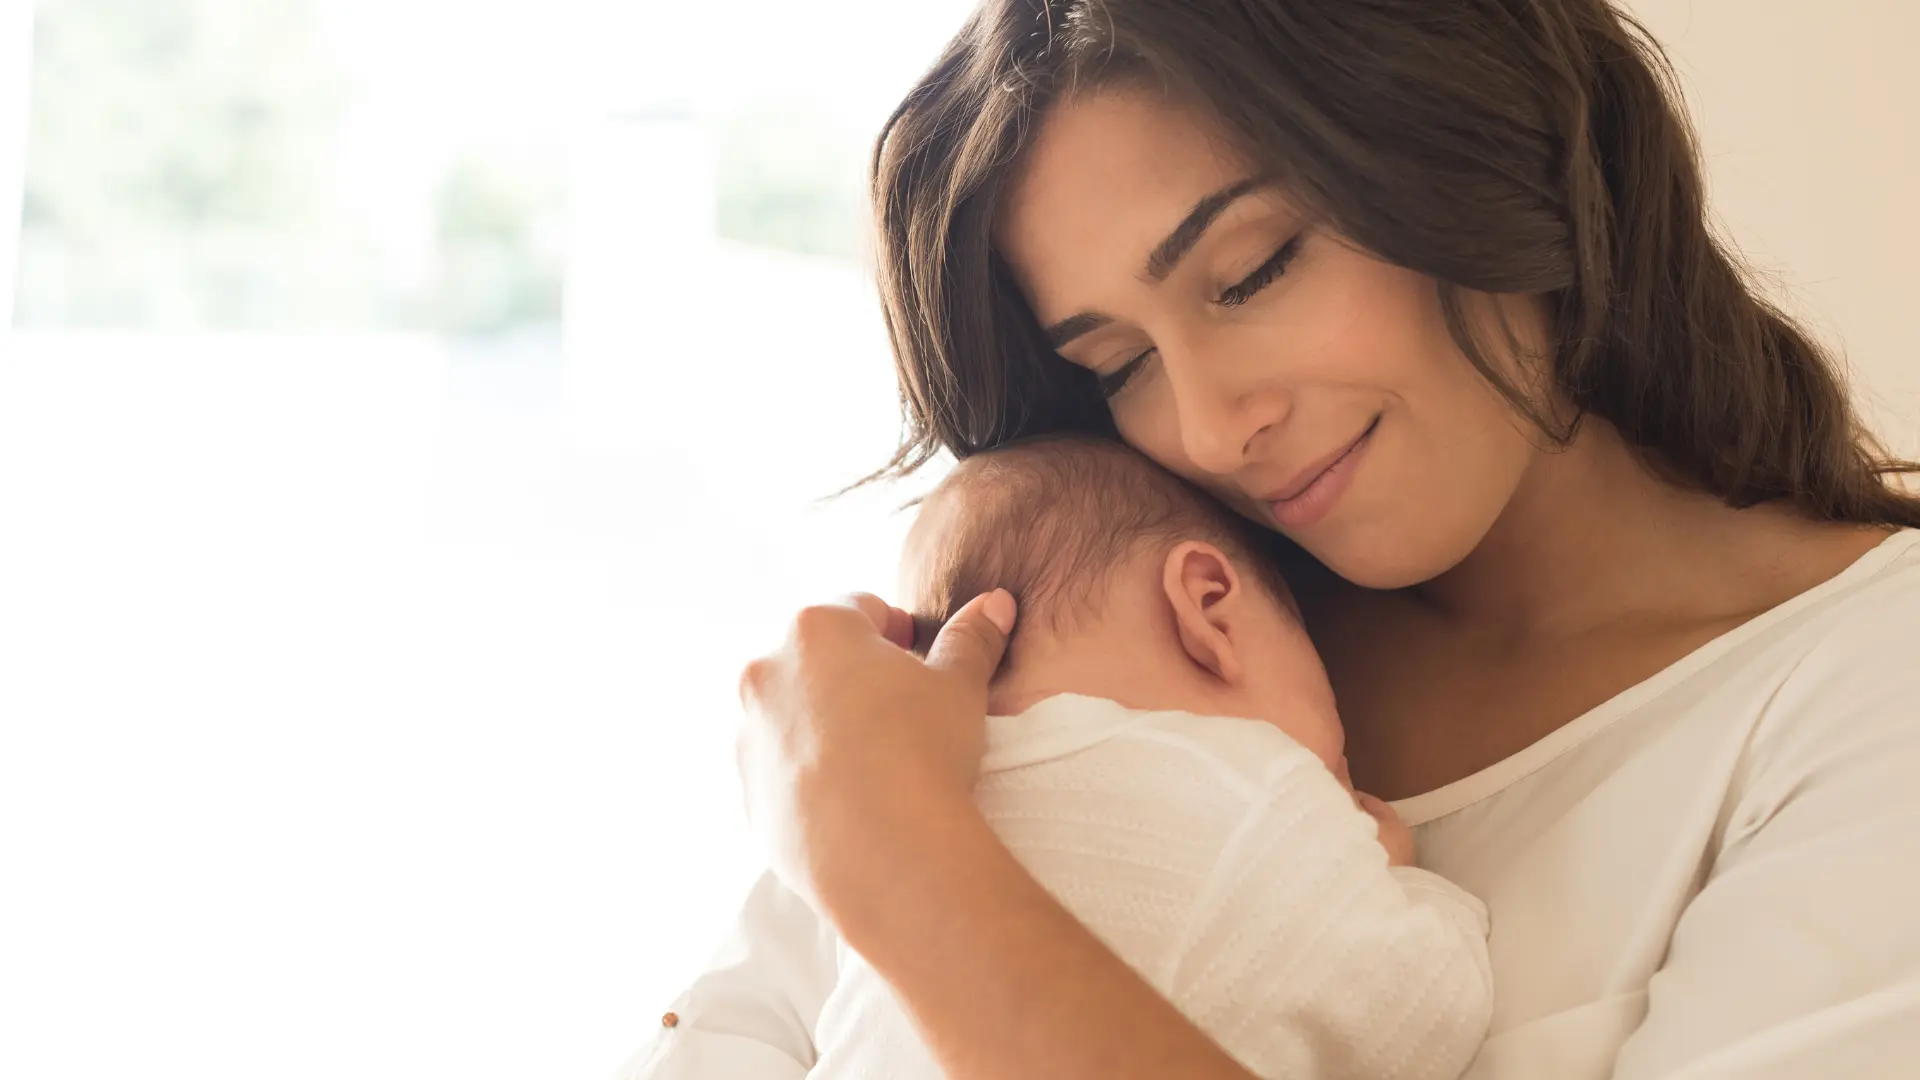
971, 644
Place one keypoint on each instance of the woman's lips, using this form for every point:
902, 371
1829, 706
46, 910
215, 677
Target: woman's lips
1316, 499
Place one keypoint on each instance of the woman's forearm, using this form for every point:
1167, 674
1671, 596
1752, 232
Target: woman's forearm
1002, 981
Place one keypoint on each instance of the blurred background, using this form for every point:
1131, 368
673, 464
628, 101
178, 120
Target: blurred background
414, 413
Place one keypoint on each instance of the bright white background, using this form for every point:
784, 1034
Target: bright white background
16, 20
366, 695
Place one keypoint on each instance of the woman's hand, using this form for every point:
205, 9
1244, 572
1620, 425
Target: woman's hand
859, 760
849, 734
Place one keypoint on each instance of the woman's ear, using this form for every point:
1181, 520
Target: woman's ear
1206, 597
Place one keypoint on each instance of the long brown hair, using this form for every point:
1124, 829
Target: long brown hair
1497, 146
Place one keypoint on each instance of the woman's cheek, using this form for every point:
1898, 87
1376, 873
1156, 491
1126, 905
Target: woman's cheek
1147, 420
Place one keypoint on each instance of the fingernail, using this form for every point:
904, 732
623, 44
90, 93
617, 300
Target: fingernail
999, 610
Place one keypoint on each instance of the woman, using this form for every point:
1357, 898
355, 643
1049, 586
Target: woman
1613, 587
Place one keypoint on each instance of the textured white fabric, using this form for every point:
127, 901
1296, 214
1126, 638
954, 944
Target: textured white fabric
1223, 862
1716, 874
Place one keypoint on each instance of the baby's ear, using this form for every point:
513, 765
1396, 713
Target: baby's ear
1205, 594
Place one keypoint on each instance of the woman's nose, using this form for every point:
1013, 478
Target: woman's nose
1222, 419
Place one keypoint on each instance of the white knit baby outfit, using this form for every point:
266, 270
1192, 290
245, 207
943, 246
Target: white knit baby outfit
1223, 862
1219, 858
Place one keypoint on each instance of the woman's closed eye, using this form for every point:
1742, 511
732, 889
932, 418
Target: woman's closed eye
1263, 275
1114, 381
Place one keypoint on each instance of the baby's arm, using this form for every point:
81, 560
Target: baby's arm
1321, 952
1231, 869
753, 1012
1395, 837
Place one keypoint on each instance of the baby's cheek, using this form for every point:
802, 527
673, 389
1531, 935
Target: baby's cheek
1289, 684
1329, 743
1310, 721
1341, 772
1310, 701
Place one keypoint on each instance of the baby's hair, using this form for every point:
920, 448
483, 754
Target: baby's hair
1050, 519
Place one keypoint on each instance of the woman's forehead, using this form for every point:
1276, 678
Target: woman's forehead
1107, 174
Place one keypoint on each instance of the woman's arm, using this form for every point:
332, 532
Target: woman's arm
754, 1010
859, 760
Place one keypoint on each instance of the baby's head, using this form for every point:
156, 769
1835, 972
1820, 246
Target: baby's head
1132, 586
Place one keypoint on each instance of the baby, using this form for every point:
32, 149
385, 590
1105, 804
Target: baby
1165, 758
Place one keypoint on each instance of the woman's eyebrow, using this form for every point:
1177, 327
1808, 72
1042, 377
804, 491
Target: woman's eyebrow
1189, 231
1074, 326
1166, 255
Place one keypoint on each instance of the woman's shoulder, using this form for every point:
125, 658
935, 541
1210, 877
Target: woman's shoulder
1869, 612
1866, 613
1845, 676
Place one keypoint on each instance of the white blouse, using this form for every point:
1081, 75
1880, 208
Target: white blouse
1716, 874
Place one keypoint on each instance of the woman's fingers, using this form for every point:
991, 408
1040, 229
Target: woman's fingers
892, 623
972, 643
899, 628
823, 747
877, 611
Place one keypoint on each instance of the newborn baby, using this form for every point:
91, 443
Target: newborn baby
1165, 758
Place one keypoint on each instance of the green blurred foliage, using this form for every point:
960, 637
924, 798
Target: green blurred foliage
182, 165
192, 112
497, 248
789, 179
179, 165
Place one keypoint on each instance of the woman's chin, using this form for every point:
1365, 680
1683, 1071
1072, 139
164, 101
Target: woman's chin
1370, 558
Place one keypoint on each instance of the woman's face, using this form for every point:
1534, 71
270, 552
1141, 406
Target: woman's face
1313, 387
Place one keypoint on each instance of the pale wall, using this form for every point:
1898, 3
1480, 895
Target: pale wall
1809, 113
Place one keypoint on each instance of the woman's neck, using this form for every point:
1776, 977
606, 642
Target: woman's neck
1595, 535
1599, 575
